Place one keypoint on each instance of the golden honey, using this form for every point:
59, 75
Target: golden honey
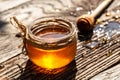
51, 43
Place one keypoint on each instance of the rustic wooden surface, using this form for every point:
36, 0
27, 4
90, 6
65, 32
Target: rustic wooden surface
87, 64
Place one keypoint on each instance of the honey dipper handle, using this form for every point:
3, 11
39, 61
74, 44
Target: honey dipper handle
101, 8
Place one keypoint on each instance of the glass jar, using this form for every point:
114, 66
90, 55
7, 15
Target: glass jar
51, 42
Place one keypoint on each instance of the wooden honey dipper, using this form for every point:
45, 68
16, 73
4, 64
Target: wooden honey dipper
85, 23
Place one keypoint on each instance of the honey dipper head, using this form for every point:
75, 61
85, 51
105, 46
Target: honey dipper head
85, 23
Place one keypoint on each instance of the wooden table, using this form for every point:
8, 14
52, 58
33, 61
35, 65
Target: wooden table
101, 63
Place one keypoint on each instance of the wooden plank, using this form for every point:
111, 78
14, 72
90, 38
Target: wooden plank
87, 63
9, 46
110, 74
8, 4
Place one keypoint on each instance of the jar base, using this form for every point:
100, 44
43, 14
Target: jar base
49, 71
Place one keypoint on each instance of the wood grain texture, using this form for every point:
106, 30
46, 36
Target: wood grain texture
110, 74
16, 66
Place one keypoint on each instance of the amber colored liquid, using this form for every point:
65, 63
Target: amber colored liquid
52, 58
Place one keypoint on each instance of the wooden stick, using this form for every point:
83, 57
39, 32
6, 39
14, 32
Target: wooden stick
101, 8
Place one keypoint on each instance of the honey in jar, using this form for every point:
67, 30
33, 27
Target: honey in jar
51, 42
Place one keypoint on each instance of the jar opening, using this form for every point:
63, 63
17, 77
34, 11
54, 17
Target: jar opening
51, 30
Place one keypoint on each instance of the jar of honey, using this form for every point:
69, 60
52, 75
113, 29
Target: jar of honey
51, 42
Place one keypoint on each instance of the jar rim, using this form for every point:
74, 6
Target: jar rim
52, 18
